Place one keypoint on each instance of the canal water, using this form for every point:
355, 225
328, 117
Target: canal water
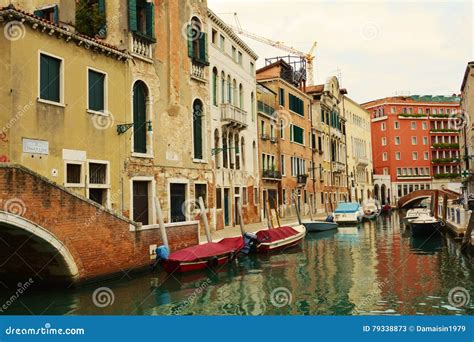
375, 269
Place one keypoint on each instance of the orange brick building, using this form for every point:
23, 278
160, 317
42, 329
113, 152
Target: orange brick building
415, 141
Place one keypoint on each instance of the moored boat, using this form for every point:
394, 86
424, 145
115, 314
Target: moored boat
348, 213
319, 226
424, 225
415, 213
275, 239
371, 209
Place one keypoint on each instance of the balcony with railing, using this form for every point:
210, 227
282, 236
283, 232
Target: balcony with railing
263, 108
141, 47
271, 174
362, 161
233, 116
198, 72
338, 166
301, 179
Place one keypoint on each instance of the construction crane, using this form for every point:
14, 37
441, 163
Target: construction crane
280, 45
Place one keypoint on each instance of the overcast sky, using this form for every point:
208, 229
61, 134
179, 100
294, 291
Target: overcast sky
380, 48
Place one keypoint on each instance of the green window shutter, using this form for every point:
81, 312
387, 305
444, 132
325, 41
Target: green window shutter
139, 118
96, 91
197, 131
190, 41
56, 14
282, 97
101, 6
203, 48
50, 78
291, 132
132, 15
150, 19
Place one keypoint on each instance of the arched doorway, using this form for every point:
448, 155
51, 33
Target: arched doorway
376, 192
140, 98
383, 195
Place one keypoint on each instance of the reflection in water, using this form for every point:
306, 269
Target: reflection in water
375, 268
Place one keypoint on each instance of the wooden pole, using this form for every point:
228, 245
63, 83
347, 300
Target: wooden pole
445, 207
276, 212
241, 218
297, 210
204, 219
159, 215
269, 219
436, 204
466, 241
310, 210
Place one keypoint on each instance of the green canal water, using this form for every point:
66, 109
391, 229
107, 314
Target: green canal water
375, 269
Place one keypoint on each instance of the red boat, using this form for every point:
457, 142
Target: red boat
210, 254
279, 238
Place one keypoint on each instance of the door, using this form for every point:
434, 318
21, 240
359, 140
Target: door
226, 207
264, 203
140, 202
177, 199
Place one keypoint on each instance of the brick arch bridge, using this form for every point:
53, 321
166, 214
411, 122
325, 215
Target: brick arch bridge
53, 235
415, 197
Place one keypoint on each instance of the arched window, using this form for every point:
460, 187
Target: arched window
252, 104
242, 152
140, 96
229, 90
216, 149
225, 156
197, 129
222, 87
241, 96
254, 156
234, 95
214, 87
237, 152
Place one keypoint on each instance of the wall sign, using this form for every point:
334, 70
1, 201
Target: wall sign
35, 146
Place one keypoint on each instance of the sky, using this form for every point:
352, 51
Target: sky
378, 48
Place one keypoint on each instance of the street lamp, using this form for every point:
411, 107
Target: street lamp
121, 129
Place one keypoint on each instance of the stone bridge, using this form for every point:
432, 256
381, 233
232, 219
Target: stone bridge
415, 197
53, 235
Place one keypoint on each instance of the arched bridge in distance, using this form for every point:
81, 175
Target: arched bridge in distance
414, 198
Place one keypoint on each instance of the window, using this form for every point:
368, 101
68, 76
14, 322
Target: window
97, 173
141, 19
200, 190
413, 125
214, 87
197, 129
397, 140
426, 155
384, 141
244, 196
282, 164
435, 111
425, 140
297, 134
218, 198
427, 111
262, 127
282, 129
73, 174
98, 182
222, 42
424, 125
239, 58
51, 74
197, 43
255, 195
50, 13
282, 97
177, 202
96, 94
296, 104
214, 36
413, 141
252, 68
415, 155
384, 156
234, 53
383, 126
398, 156
396, 124
385, 170
140, 95
399, 171
420, 110
392, 110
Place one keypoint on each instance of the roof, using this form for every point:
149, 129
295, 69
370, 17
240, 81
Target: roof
315, 89
414, 99
466, 73
10, 13
231, 33
347, 207
272, 65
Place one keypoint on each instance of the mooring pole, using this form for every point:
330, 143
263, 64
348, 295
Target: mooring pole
241, 218
204, 219
159, 215
445, 207
466, 241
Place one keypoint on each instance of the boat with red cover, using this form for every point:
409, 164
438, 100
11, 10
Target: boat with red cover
209, 254
274, 239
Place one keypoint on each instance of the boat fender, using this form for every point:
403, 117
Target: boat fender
162, 252
213, 262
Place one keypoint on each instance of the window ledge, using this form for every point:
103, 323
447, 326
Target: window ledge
200, 161
74, 185
94, 112
142, 155
98, 186
58, 104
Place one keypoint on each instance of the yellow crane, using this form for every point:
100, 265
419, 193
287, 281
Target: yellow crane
280, 45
